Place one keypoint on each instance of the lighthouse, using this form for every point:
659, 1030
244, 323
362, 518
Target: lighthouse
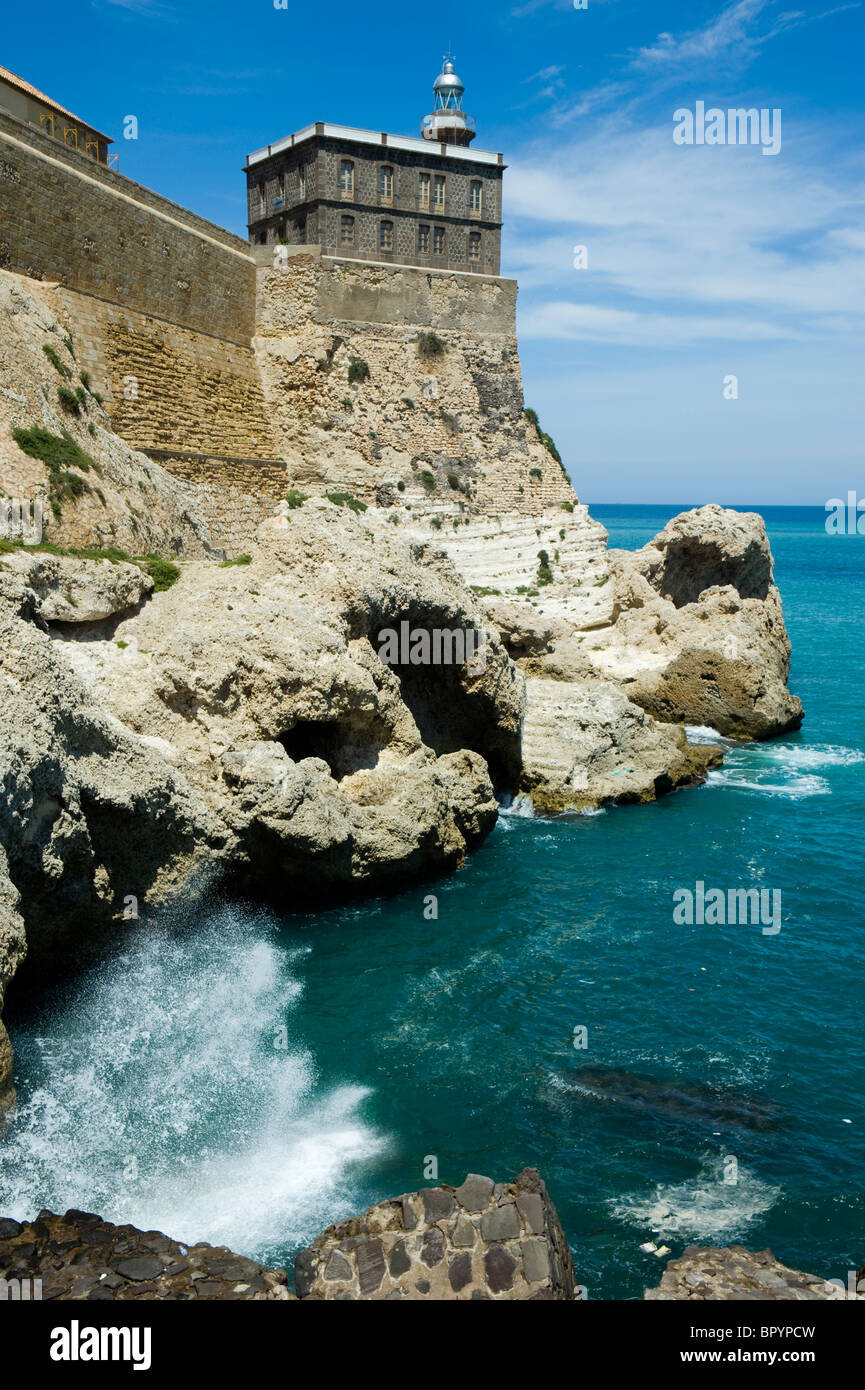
448, 122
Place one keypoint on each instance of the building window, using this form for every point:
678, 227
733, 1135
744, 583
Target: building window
474, 246
346, 178
301, 181
385, 236
385, 183
423, 240
423, 190
346, 231
438, 241
280, 187
476, 197
439, 192
262, 198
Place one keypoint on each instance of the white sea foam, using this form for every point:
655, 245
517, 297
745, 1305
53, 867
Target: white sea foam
170, 1097
706, 1208
796, 787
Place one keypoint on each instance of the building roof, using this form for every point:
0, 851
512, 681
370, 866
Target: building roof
30, 91
380, 138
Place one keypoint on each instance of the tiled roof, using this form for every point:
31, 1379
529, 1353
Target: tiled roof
14, 81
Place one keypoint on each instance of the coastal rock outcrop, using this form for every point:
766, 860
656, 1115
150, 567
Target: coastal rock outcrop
479, 1241
79, 1256
733, 1273
699, 632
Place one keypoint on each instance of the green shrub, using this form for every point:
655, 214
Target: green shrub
358, 371
428, 480
450, 422
56, 361
568, 506
407, 400
535, 473
400, 487
296, 499
238, 560
69, 400
347, 403
59, 453
430, 345
345, 499
545, 574
546, 439
162, 572
454, 482
437, 522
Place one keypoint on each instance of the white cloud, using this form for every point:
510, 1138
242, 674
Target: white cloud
708, 234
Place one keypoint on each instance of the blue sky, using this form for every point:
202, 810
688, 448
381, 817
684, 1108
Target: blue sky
703, 261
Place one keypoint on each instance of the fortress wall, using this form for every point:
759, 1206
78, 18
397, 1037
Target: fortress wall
161, 303
64, 217
456, 414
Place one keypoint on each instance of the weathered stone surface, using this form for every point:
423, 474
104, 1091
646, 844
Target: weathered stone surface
500, 1265
734, 1273
502, 1223
699, 635
79, 1256
478, 1241
474, 1194
73, 590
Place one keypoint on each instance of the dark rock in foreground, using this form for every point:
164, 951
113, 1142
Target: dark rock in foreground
480, 1241
79, 1256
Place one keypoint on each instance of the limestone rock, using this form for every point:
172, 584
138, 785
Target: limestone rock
734, 1273
478, 1241
72, 590
699, 632
585, 743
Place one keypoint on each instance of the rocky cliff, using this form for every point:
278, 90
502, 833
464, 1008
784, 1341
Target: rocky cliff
170, 715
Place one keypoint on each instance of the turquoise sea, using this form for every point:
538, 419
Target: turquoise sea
244, 1077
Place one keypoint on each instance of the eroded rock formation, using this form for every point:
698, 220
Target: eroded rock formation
734, 1273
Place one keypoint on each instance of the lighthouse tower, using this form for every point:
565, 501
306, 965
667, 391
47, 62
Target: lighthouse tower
448, 122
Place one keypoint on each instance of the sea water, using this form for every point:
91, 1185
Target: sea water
246, 1077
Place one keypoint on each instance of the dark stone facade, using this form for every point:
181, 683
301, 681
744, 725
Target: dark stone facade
296, 193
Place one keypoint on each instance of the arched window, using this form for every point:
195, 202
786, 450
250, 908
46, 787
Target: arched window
385, 183
346, 178
476, 197
385, 236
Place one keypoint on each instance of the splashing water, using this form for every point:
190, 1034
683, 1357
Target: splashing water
165, 1090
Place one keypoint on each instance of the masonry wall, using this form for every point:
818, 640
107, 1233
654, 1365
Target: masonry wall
66, 218
402, 387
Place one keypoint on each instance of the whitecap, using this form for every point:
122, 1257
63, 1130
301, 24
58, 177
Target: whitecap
705, 1208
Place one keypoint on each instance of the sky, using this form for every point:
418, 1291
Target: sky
703, 262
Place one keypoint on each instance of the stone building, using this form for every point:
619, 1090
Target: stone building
26, 103
367, 195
